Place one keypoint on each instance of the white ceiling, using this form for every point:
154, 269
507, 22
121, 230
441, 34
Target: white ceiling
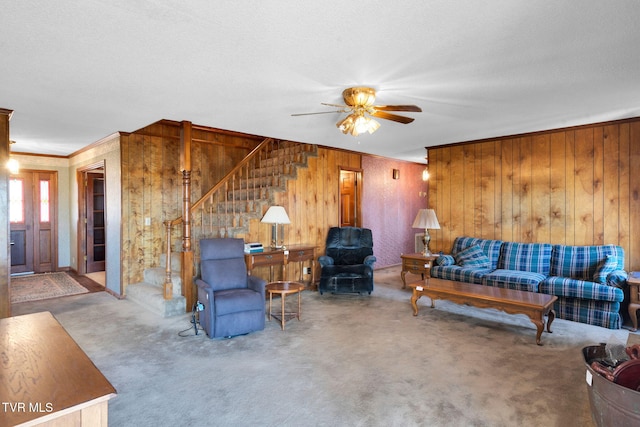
75, 71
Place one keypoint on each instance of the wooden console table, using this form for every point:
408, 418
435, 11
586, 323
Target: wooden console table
282, 257
45, 377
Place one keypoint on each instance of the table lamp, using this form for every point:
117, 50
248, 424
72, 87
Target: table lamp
426, 219
277, 217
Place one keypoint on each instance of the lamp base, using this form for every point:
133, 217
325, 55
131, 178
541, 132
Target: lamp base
426, 239
277, 236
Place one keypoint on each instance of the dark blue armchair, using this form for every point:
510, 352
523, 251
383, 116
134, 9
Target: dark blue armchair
233, 301
347, 266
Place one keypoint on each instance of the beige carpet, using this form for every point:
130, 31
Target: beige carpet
36, 287
349, 361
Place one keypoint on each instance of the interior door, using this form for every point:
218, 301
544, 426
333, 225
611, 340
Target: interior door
33, 224
96, 247
350, 198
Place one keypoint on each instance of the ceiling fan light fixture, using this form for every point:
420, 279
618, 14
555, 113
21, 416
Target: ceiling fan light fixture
346, 125
361, 110
359, 96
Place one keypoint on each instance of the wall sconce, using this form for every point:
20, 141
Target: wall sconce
13, 165
396, 174
425, 174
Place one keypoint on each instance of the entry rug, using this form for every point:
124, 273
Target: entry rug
43, 286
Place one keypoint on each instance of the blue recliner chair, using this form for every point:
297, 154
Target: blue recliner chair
233, 301
347, 266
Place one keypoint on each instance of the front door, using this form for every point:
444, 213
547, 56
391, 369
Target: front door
32, 219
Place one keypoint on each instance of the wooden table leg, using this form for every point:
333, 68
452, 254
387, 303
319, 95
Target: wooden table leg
299, 304
270, 300
633, 308
404, 282
539, 328
283, 316
552, 315
538, 320
414, 300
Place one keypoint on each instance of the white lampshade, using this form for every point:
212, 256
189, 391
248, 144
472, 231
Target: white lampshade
276, 215
425, 219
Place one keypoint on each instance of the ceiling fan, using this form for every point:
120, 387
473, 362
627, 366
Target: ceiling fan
359, 104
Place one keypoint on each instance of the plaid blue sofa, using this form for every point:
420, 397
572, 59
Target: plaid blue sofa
586, 292
589, 281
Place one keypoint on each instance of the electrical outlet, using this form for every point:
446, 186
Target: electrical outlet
306, 270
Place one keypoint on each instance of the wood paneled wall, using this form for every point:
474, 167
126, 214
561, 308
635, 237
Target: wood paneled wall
311, 201
574, 186
152, 185
151, 181
5, 265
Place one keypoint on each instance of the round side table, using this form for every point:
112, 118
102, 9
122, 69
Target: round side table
283, 289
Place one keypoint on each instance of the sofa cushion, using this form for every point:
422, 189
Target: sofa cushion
472, 257
534, 257
444, 260
581, 262
237, 300
584, 289
514, 279
605, 267
491, 248
460, 274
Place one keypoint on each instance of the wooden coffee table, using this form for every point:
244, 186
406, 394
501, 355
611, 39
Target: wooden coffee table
532, 304
283, 289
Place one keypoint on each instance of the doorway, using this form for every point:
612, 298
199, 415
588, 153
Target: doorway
33, 222
92, 244
350, 197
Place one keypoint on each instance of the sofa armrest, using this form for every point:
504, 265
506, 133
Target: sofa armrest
617, 278
370, 260
444, 260
325, 260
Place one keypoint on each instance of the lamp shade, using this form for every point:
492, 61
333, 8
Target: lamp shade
276, 215
425, 219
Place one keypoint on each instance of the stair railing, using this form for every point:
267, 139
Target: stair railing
218, 211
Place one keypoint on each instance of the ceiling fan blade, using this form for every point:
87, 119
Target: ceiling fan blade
413, 108
320, 112
393, 117
336, 105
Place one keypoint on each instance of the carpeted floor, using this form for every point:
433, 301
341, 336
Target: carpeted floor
35, 287
350, 361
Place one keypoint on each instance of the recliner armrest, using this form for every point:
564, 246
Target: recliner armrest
257, 284
201, 283
325, 260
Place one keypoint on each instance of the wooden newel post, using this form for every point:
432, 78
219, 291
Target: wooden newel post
186, 270
168, 284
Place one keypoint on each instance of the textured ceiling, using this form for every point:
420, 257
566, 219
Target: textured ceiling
77, 71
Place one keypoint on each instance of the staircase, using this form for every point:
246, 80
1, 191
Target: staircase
225, 211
